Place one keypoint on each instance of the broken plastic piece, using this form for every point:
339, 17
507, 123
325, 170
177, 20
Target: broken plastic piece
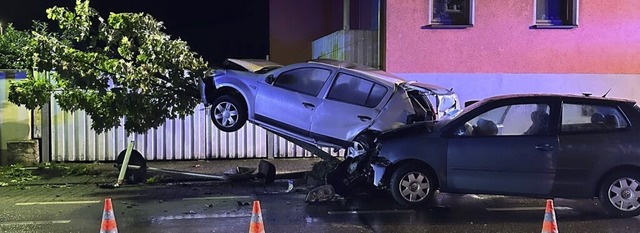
320, 194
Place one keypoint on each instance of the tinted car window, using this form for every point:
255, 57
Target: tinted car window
306, 80
354, 90
377, 93
520, 119
584, 118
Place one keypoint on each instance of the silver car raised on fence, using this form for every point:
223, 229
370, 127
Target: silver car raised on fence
321, 102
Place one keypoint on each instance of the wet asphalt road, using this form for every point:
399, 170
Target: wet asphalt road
218, 207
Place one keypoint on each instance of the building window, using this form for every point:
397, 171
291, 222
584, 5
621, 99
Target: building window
451, 13
556, 13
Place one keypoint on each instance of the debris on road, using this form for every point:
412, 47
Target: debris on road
319, 171
289, 189
320, 194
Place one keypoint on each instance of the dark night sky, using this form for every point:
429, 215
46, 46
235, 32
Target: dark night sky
214, 29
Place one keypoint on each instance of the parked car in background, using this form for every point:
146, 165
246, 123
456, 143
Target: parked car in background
542, 145
322, 102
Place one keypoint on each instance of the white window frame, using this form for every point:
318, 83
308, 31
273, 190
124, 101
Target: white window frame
574, 16
471, 17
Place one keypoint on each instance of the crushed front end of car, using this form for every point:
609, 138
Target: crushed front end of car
368, 171
413, 106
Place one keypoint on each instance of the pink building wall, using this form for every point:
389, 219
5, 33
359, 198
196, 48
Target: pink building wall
607, 40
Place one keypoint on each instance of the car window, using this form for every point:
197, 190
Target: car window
377, 93
585, 118
351, 89
519, 119
305, 80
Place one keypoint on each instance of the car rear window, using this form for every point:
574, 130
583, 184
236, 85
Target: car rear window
351, 89
587, 118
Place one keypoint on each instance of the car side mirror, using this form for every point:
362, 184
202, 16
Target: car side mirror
270, 79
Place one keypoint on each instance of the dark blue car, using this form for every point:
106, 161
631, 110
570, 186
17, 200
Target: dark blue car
564, 146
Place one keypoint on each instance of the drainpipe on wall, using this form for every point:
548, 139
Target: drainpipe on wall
382, 12
345, 14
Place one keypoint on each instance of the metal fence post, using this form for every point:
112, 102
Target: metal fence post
271, 145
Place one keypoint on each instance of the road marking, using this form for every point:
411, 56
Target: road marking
215, 198
58, 203
527, 208
35, 222
199, 216
371, 212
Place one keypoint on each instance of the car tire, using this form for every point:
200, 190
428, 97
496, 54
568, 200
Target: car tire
133, 175
620, 194
228, 113
412, 185
361, 145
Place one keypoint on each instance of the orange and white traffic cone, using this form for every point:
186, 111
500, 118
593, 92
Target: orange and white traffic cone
256, 225
108, 218
549, 225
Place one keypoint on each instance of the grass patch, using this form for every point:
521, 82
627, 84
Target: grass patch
16, 175
82, 169
154, 179
63, 169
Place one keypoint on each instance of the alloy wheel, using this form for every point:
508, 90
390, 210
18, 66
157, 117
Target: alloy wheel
226, 114
414, 186
624, 194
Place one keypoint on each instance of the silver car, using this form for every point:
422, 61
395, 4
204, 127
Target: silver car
322, 102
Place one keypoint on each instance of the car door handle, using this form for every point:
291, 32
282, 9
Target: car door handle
364, 118
308, 105
544, 147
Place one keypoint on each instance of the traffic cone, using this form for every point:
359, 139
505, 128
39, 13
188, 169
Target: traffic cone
256, 225
549, 225
108, 218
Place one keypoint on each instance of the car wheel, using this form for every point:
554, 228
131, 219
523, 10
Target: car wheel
620, 194
133, 175
361, 144
412, 185
228, 113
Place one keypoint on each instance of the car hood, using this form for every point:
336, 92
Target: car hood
254, 65
420, 128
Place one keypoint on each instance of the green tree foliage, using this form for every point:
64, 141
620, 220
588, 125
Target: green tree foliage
124, 66
12, 48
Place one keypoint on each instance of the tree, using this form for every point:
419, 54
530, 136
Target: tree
12, 44
121, 67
